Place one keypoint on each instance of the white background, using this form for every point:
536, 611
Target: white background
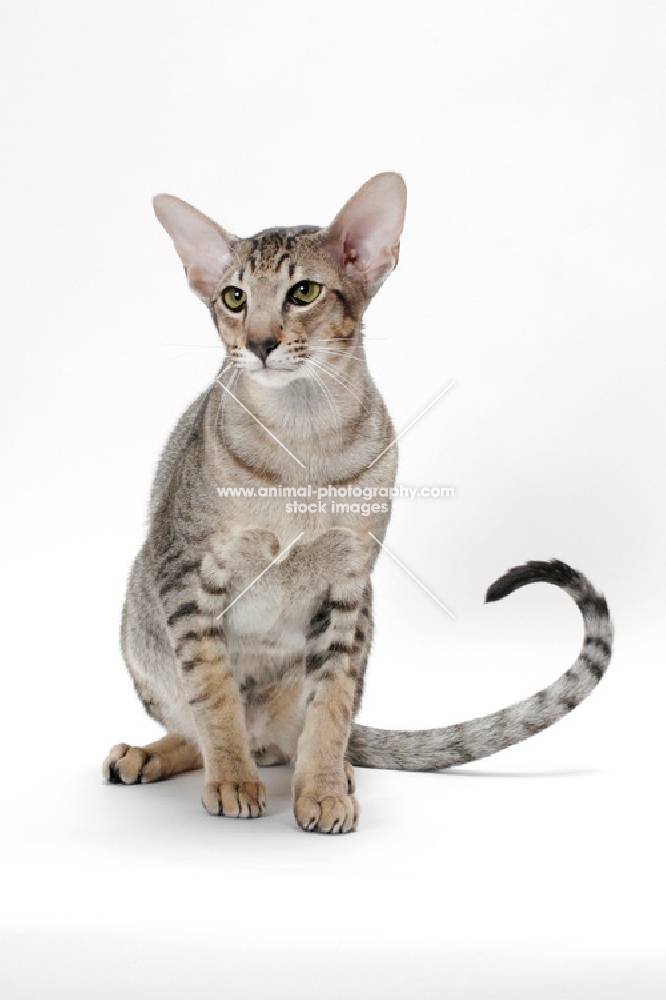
532, 139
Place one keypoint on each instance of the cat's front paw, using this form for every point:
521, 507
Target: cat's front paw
326, 813
246, 799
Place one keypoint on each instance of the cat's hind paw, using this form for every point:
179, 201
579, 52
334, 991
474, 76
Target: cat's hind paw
349, 774
128, 765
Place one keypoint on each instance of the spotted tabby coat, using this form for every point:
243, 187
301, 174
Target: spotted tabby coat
246, 628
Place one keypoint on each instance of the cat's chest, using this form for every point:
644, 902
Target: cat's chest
271, 588
266, 621
266, 588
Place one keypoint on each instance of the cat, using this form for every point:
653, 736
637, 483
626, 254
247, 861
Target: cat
246, 628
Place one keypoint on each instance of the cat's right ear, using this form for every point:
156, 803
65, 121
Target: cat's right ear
203, 247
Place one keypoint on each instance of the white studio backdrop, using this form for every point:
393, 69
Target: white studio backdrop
531, 137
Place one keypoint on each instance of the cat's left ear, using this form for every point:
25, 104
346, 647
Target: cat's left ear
364, 238
202, 245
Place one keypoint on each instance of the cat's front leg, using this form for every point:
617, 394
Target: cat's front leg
323, 780
232, 786
195, 594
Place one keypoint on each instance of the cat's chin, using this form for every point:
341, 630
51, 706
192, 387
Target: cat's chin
273, 378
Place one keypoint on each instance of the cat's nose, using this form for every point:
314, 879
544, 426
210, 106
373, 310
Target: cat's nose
262, 348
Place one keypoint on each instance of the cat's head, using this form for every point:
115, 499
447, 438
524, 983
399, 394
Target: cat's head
279, 295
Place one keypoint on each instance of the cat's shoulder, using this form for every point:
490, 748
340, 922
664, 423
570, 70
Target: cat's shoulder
175, 448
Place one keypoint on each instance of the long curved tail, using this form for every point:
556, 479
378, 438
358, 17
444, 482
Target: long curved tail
434, 749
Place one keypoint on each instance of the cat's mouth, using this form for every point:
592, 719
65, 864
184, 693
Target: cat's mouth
274, 377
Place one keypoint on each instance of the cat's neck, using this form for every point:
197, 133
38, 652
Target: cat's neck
305, 431
308, 411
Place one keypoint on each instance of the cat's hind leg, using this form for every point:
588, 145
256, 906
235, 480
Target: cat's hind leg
127, 765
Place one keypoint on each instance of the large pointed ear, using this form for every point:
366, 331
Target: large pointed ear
364, 238
203, 247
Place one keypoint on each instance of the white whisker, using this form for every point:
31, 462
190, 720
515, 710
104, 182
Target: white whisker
322, 366
339, 354
346, 379
343, 340
326, 393
208, 347
219, 423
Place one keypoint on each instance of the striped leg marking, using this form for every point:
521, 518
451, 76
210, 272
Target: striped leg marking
324, 780
232, 786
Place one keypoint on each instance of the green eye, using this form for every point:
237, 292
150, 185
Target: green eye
304, 293
234, 298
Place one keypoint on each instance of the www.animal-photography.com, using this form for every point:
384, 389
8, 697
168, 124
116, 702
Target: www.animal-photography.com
334, 552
